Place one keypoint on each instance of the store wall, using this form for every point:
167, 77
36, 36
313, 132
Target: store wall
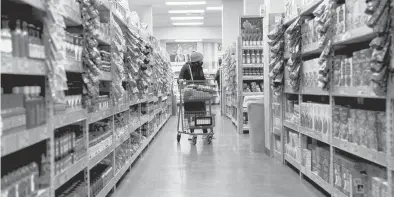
211, 52
232, 10
145, 14
188, 33
252, 7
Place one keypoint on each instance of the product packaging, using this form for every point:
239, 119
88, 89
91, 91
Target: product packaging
338, 174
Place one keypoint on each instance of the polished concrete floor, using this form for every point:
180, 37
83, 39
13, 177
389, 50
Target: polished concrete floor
225, 168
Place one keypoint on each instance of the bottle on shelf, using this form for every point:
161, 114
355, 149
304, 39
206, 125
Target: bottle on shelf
24, 40
6, 37
16, 38
32, 41
255, 35
40, 44
261, 43
253, 57
248, 57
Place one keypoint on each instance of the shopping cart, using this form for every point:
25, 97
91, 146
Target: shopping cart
191, 94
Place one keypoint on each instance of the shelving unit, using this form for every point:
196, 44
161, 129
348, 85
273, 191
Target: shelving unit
250, 66
62, 142
230, 87
296, 103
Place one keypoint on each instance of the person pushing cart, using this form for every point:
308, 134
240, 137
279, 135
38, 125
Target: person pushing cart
194, 100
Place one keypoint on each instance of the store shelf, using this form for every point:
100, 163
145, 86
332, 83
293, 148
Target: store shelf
121, 107
337, 193
249, 78
99, 151
312, 48
70, 116
38, 4
103, 39
360, 151
253, 65
252, 47
43, 193
390, 91
22, 66
72, 65
278, 155
292, 161
365, 92
391, 163
277, 131
252, 93
19, 138
99, 115
71, 17
123, 137
105, 76
310, 7
121, 172
317, 179
291, 125
357, 35
314, 135
313, 91
289, 21
70, 172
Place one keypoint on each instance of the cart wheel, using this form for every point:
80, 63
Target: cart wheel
194, 140
178, 137
209, 139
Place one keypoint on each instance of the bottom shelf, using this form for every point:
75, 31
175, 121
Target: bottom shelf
292, 161
317, 179
117, 177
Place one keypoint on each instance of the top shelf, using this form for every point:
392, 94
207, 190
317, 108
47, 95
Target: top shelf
304, 11
72, 18
356, 35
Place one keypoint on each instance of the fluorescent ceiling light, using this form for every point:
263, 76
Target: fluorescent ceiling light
188, 40
179, 24
186, 3
185, 11
184, 18
214, 8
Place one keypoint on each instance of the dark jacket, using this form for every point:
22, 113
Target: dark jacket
198, 74
217, 78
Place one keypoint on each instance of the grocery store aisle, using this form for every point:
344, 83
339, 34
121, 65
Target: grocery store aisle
225, 168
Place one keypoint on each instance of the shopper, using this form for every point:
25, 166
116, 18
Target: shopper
217, 77
193, 70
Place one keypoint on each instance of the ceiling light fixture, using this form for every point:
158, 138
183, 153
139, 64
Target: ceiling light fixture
184, 18
188, 40
186, 3
185, 11
187, 24
214, 8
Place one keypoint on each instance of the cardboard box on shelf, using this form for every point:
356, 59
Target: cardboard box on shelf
338, 174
